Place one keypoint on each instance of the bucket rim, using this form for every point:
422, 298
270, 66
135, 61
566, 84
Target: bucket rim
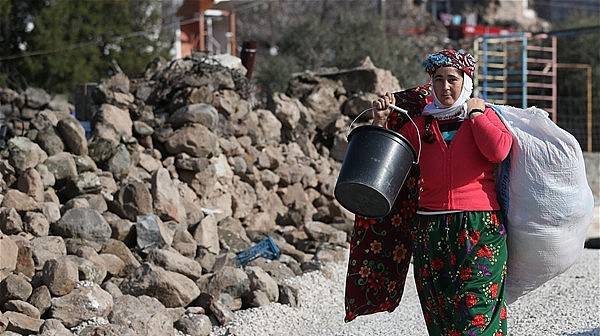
384, 130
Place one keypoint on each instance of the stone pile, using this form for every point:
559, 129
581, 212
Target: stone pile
134, 230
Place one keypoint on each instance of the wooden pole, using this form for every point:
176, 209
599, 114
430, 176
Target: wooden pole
233, 41
201, 37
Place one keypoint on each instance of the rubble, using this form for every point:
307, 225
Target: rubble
181, 170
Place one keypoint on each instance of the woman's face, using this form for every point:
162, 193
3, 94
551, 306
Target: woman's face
447, 84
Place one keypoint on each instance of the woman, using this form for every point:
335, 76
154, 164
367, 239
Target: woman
459, 242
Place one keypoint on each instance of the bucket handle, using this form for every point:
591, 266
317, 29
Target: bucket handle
360, 115
401, 110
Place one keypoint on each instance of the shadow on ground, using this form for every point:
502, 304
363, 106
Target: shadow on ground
591, 332
592, 243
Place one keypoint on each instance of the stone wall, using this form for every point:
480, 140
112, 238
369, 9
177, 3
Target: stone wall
144, 216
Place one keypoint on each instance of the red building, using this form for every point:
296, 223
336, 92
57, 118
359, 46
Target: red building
204, 28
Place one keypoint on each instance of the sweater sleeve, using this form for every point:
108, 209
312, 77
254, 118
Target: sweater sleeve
491, 136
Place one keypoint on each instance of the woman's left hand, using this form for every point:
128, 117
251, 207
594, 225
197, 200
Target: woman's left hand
477, 104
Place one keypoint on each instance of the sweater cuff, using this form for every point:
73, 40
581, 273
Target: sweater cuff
481, 120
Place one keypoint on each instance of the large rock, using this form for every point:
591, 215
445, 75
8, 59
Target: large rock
103, 144
22, 324
91, 268
324, 104
287, 110
194, 325
144, 315
73, 135
23, 308
53, 327
167, 202
175, 262
10, 221
14, 287
24, 153
218, 202
201, 113
195, 140
366, 78
85, 183
118, 82
25, 263
262, 281
51, 211
83, 223
270, 126
278, 270
19, 201
232, 281
109, 185
86, 302
243, 199
324, 233
340, 144
118, 118
47, 177
84, 163
261, 222
36, 223
134, 199
50, 141
170, 288
357, 103
232, 235
121, 228
227, 102
30, 182
269, 201
112, 265
36, 98
184, 243
47, 248
62, 166
207, 234
152, 233
120, 163
41, 299
141, 128
107, 329
121, 250
60, 276
149, 163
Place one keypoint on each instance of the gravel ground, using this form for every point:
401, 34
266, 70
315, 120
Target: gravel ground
566, 305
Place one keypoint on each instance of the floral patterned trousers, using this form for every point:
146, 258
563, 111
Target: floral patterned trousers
460, 267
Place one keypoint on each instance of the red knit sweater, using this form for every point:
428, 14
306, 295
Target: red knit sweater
460, 176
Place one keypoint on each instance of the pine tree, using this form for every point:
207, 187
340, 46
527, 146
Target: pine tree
81, 41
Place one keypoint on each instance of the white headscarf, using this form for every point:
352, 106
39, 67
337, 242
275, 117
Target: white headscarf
457, 110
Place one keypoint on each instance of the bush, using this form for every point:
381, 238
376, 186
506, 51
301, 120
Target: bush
312, 44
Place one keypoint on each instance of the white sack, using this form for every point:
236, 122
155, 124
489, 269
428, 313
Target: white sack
550, 204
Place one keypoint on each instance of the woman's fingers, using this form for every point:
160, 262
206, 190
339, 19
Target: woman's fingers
382, 105
391, 98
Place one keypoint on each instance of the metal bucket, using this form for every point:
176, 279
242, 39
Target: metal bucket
376, 164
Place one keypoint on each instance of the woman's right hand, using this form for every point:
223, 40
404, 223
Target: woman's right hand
382, 111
